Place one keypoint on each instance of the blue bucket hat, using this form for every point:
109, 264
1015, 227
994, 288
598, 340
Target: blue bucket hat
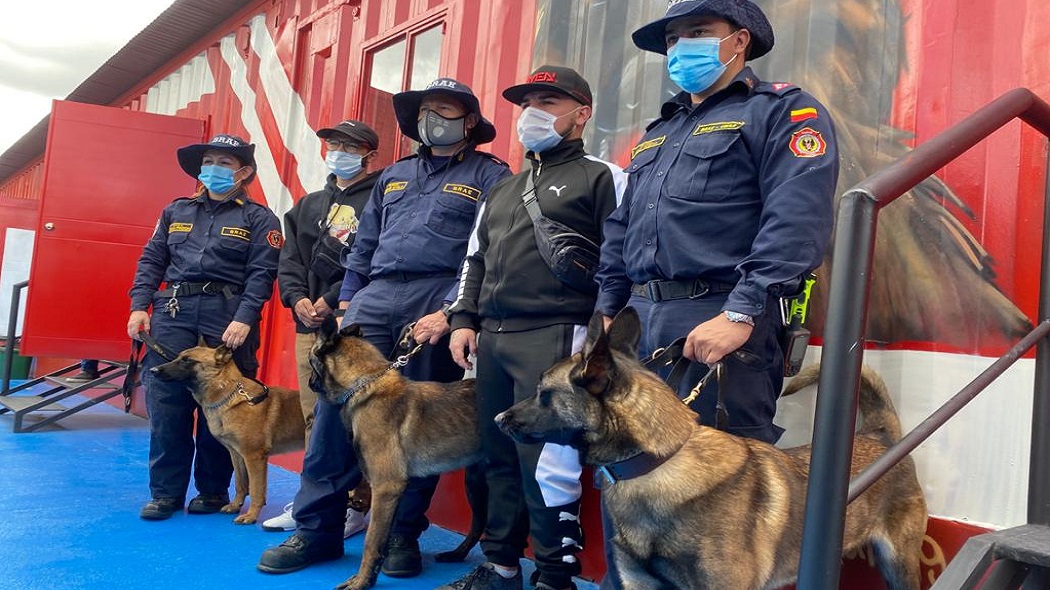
406, 108
190, 156
741, 13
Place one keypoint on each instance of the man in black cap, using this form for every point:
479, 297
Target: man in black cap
319, 228
728, 208
519, 328
217, 254
402, 268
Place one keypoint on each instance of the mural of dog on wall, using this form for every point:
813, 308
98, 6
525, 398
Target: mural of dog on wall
933, 281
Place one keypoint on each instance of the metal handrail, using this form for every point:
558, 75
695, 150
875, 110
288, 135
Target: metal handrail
12, 327
850, 282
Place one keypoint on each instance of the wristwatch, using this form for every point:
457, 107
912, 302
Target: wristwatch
739, 318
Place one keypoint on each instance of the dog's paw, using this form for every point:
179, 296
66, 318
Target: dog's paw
357, 582
230, 508
245, 519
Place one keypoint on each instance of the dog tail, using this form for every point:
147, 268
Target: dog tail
875, 404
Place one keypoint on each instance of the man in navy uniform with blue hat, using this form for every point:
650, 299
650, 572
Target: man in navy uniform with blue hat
727, 210
401, 269
216, 253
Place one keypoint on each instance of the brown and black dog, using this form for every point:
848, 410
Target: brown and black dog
400, 428
715, 511
251, 420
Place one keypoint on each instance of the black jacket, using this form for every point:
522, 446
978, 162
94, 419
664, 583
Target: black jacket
506, 285
302, 228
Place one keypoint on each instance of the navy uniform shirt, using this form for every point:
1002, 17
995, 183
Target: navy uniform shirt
197, 240
738, 189
420, 215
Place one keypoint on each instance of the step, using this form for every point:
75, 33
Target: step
21, 402
1025, 544
66, 383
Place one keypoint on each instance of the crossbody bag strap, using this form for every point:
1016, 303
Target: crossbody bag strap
529, 198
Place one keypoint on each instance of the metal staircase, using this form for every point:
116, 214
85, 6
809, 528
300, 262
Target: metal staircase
16, 400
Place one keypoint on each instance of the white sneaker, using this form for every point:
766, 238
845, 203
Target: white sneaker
283, 522
355, 522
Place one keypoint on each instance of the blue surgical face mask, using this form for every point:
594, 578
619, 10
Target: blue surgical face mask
536, 129
693, 63
217, 179
343, 164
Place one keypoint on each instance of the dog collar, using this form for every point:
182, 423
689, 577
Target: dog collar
239, 390
359, 385
641, 464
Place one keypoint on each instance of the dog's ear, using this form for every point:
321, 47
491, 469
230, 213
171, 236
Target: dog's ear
595, 330
222, 355
625, 332
329, 327
595, 370
351, 331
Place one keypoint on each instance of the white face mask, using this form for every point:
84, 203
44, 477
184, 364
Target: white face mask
536, 129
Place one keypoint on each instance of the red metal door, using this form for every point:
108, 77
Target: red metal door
108, 173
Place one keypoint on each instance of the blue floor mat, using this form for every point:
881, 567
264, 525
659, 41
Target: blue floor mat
70, 496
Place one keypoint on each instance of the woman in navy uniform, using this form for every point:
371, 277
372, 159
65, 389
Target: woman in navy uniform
216, 254
402, 268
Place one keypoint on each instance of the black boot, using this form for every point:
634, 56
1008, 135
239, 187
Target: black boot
296, 553
403, 559
160, 509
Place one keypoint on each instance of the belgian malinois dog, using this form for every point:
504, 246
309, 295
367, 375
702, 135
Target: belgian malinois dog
709, 510
400, 428
251, 420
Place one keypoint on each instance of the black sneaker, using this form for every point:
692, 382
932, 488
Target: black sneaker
160, 509
82, 377
403, 559
207, 503
484, 577
296, 553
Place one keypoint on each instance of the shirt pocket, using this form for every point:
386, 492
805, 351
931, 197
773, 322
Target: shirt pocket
231, 248
452, 216
642, 160
177, 238
706, 169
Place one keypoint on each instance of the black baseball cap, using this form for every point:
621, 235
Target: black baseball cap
560, 79
355, 130
741, 13
190, 156
406, 108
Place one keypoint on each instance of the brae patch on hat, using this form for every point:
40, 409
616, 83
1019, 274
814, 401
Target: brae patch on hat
807, 143
275, 239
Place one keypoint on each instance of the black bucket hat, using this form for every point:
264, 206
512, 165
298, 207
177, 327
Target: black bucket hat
560, 79
742, 13
355, 130
190, 156
406, 108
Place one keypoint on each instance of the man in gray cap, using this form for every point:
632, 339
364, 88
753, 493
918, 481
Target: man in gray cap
727, 210
318, 229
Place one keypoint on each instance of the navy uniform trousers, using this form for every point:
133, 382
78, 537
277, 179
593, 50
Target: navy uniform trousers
752, 376
171, 406
330, 467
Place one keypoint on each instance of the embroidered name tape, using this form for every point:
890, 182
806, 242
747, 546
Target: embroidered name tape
394, 186
654, 142
179, 227
720, 126
236, 232
462, 190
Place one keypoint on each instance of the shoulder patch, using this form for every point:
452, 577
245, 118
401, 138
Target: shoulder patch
803, 114
275, 239
778, 88
807, 143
